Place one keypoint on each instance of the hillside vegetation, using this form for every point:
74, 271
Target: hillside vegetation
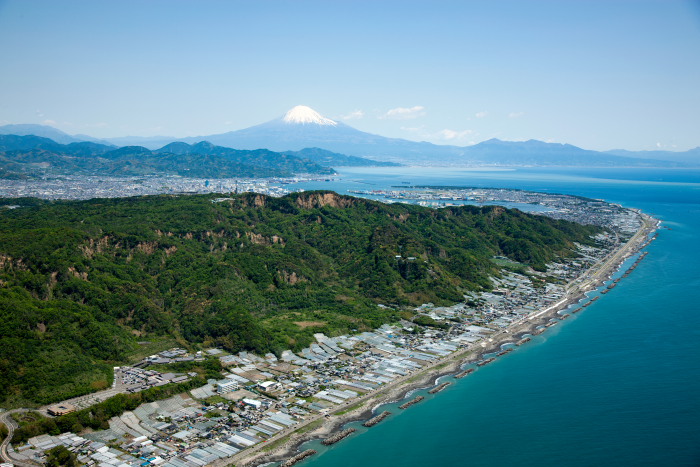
27, 156
82, 282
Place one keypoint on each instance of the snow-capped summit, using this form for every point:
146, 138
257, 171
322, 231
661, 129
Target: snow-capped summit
303, 114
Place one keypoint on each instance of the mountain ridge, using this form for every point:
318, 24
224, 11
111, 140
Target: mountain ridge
36, 155
302, 127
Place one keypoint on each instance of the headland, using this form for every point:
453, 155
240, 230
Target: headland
286, 444
342, 379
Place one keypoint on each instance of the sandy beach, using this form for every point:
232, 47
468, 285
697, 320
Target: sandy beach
286, 443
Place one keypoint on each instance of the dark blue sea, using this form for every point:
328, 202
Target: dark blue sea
618, 384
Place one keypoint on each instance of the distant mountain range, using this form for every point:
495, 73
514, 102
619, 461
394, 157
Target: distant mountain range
334, 159
691, 156
26, 156
302, 128
46, 131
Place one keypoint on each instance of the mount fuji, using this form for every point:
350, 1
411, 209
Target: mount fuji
303, 132
302, 127
302, 114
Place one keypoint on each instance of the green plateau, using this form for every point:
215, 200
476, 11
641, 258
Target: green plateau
83, 282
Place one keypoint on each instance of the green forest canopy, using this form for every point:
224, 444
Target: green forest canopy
82, 281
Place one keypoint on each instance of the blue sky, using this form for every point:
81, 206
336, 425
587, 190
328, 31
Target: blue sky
596, 74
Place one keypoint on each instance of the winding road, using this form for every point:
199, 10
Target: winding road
6, 419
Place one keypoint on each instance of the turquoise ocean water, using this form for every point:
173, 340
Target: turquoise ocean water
616, 385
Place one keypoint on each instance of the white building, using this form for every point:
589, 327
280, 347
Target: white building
268, 386
226, 385
252, 403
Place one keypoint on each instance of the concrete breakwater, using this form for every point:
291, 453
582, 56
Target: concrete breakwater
437, 389
415, 400
485, 362
464, 373
636, 263
587, 304
338, 436
299, 457
374, 420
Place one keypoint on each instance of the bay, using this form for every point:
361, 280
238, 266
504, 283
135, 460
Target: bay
617, 385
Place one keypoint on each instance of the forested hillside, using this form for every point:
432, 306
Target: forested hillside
82, 282
32, 156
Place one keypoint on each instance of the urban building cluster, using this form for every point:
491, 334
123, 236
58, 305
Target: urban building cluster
87, 187
572, 208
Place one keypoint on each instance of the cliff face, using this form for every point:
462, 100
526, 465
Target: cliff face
304, 200
317, 200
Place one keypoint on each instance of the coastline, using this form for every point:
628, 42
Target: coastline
287, 443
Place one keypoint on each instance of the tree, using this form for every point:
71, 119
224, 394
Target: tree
60, 456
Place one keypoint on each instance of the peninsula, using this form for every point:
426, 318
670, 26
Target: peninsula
472, 354
261, 407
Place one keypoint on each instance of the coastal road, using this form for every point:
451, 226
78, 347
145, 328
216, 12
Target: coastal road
80, 402
598, 272
253, 454
6, 419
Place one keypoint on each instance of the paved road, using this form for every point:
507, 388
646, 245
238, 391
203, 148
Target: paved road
6, 419
80, 402
600, 271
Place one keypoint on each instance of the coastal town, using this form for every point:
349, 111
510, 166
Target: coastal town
264, 406
554, 205
88, 187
